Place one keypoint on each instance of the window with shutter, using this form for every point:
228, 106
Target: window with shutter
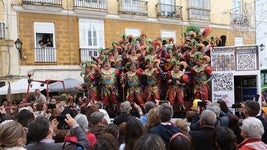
2, 30
91, 33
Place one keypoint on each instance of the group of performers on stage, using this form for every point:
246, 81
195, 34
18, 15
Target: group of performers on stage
140, 69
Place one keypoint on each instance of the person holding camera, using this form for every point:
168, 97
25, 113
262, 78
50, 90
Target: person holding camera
41, 133
222, 118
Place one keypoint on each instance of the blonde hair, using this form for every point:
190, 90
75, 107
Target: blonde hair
152, 118
182, 124
10, 132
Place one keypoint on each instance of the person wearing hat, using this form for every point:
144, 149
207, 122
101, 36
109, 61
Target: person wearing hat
91, 79
152, 74
82, 120
132, 80
201, 74
109, 89
177, 79
115, 57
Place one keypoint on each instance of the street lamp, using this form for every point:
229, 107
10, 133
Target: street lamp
262, 46
18, 45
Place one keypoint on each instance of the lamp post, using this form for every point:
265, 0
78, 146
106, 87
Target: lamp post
29, 84
18, 45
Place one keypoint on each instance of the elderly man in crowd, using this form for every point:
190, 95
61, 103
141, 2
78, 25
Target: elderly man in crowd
204, 137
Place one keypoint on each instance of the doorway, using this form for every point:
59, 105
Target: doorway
245, 88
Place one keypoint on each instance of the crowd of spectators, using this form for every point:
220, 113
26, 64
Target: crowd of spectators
65, 124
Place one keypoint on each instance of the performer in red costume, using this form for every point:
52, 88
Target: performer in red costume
133, 84
91, 80
177, 79
109, 91
202, 73
152, 74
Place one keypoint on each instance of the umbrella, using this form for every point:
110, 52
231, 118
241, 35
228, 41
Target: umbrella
20, 86
69, 83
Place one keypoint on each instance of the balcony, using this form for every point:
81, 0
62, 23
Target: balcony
94, 4
2, 30
87, 53
195, 13
94, 8
42, 5
169, 11
133, 7
43, 2
240, 20
45, 55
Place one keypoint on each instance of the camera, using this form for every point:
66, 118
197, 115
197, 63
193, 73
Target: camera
237, 105
61, 122
201, 104
51, 106
257, 96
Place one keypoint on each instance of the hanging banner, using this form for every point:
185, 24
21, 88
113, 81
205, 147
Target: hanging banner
247, 58
223, 65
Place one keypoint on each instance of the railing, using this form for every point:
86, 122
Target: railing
98, 4
133, 7
240, 20
87, 53
44, 55
43, 2
2, 30
199, 14
169, 11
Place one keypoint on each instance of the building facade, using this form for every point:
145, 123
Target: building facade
57, 35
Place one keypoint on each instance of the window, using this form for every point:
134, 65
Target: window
238, 41
44, 34
199, 9
91, 33
132, 31
131, 5
168, 34
2, 30
167, 8
237, 7
91, 38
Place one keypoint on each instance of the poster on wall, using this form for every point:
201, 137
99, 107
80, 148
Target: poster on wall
223, 59
246, 58
223, 65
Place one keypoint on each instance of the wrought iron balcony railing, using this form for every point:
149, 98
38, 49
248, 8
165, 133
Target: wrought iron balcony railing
96, 4
87, 53
42, 2
199, 13
239, 20
45, 55
2, 30
137, 7
168, 11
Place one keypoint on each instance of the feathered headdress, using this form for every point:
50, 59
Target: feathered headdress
192, 28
